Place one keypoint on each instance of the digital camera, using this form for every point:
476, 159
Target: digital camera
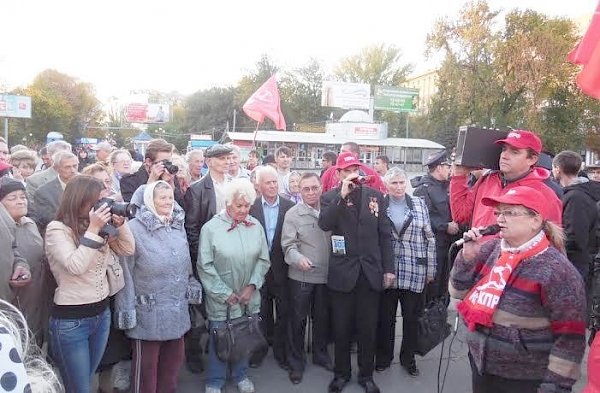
170, 167
123, 209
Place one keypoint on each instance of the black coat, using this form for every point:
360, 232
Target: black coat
279, 269
200, 205
368, 239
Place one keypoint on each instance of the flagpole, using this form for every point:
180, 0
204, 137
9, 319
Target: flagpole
254, 137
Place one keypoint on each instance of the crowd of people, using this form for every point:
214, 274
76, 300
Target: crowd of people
130, 266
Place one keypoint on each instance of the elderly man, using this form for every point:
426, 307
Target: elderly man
306, 248
269, 210
195, 162
36, 180
203, 199
236, 170
103, 150
520, 152
360, 267
46, 199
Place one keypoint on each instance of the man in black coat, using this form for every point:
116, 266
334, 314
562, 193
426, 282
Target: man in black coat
270, 211
152, 169
433, 188
360, 267
203, 199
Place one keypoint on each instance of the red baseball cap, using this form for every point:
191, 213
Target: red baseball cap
346, 159
4, 165
522, 139
521, 195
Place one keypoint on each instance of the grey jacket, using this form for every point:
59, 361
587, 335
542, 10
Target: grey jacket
45, 203
38, 179
301, 236
153, 305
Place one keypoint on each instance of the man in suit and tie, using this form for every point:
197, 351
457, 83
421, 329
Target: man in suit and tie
203, 199
270, 211
360, 267
38, 179
46, 199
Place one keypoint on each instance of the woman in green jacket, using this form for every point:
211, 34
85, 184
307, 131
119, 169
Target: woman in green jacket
233, 261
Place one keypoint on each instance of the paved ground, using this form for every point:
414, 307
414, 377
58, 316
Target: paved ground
270, 378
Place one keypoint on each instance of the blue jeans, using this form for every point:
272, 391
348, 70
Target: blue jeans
77, 346
216, 373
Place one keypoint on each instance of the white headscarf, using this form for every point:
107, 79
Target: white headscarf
149, 201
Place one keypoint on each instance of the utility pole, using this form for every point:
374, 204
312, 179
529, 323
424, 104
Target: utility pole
234, 114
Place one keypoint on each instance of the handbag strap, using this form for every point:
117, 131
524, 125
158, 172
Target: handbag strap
228, 318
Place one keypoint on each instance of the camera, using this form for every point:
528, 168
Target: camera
170, 167
123, 209
360, 180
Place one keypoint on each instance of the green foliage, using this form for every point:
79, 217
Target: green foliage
208, 111
514, 76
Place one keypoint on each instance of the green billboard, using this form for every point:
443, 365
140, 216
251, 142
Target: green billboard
396, 99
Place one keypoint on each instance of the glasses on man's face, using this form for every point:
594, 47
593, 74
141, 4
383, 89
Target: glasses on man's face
508, 213
309, 189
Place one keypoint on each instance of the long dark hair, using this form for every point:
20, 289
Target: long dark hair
78, 198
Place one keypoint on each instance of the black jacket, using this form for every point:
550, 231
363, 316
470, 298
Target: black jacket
279, 269
130, 183
437, 199
580, 220
368, 239
200, 205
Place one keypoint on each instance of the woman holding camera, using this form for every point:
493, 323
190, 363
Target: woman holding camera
78, 257
153, 306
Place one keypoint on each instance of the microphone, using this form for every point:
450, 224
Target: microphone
489, 230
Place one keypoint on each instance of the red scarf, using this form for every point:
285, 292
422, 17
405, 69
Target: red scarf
479, 305
235, 223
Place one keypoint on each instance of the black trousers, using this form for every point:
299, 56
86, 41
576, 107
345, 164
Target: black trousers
412, 305
487, 383
274, 305
355, 311
307, 298
193, 337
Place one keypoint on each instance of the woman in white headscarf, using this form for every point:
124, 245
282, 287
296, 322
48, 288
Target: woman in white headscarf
153, 306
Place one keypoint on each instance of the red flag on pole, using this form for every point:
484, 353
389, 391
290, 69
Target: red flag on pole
587, 53
265, 102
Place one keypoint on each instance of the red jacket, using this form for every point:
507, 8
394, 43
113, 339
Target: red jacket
330, 181
466, 206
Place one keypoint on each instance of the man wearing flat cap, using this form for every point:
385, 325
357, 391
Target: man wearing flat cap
433, 188
203, 199
520, 152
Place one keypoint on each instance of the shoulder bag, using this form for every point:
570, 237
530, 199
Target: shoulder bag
238, 338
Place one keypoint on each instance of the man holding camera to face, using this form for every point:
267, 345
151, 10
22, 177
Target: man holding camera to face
520, 153
157, 166
360, 267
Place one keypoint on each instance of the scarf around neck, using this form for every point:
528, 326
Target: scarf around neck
481, 301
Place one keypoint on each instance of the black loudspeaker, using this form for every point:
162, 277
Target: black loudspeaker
475, 147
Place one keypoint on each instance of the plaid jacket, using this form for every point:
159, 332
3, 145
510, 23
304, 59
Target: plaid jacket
414, 247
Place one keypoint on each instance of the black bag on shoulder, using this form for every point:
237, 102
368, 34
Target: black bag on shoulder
433, 326
237, 339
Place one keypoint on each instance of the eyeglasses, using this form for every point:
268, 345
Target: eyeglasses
308, 189
511, 213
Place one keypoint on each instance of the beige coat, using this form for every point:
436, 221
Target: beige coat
80, 269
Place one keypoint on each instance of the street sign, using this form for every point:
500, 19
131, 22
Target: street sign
15, 106
396, 99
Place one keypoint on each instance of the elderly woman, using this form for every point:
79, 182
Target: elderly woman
79, 258
522, 300
232, 264
24, 163
120, 163
291, 187
30, 299
153, 306
413, 245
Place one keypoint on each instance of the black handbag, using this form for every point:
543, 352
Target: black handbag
237, 339
433, 326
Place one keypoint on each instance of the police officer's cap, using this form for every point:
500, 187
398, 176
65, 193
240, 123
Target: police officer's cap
437, 158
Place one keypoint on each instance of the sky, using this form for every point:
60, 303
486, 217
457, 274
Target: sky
182, 45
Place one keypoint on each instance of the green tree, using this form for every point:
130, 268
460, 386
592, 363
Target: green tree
209, 111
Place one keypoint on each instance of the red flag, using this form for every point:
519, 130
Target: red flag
265, 102
587, 53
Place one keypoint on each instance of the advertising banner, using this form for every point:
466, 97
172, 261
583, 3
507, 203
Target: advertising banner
147, 113
15, 106
345, 95
396, 99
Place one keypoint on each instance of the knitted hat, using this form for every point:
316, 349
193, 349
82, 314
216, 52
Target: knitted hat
8, 185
